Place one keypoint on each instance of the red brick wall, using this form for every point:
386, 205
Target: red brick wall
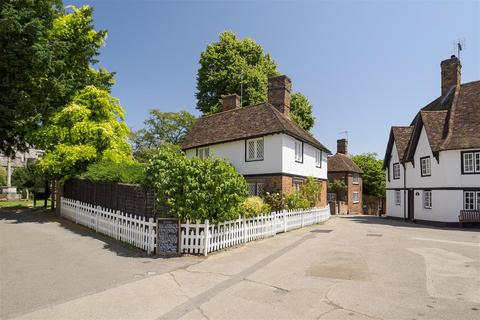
353, 208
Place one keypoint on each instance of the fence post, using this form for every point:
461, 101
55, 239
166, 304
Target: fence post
207, 238
76, 211
302, 215
151, 239
274, 223
97, 213
117, 225
284, 220
244, 230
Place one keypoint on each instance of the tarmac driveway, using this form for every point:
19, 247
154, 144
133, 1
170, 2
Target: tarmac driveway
348, 268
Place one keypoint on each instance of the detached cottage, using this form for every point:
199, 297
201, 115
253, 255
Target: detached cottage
433, 165
271, 151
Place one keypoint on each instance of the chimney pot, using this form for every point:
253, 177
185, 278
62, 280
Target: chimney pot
230, 102
451, 73
342, 146
279, 93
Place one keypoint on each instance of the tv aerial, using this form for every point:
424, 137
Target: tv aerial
458, 46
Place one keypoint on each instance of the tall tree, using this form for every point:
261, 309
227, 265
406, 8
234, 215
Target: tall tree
373, 177
163, 127
46, 56
229, 66
89, 129
301, 111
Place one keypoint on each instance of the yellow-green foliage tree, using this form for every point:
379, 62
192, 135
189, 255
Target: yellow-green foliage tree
89, 129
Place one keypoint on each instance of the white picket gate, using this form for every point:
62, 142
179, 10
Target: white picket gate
205, 237
136, 230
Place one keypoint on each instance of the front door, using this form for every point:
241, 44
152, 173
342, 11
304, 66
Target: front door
411, 204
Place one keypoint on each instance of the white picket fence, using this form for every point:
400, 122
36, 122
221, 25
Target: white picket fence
136, 230
204, 238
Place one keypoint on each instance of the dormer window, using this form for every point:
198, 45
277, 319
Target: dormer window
203, 153
396, 171
298, 151
254, 149
425, 167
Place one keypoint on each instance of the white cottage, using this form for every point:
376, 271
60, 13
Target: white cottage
433, 165
262, 142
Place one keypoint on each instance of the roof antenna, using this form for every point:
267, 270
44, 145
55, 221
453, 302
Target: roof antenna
458, 46
241, 89
346, 134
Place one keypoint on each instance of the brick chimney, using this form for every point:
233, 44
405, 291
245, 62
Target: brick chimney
230, 102
342, 146
450, 73
279, 93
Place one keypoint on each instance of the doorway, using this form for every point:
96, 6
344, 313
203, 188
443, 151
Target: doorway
411, 205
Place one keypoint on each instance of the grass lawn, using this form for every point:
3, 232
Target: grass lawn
17, 204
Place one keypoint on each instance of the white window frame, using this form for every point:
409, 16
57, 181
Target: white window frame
395, 176
203, 153
425, 167
256, 155
470, 204
355, 178
427, 199
397, 197
298, 151
471, 162
318, 158
357, 196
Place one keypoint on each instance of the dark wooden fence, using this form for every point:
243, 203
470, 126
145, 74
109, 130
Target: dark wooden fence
124, 197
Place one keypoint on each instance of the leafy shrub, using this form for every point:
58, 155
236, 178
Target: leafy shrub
275, 200
297, 200
3, 176
108, 171
196, 189
311, 191
254, 206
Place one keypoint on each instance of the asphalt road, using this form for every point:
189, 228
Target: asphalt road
348, 268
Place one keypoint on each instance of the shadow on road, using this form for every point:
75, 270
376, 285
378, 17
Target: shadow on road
406, 223
42, 216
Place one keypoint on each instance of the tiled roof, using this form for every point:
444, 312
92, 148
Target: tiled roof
342, 163
243, 123
451, 122
402, 136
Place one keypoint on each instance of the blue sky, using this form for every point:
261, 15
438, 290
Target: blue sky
365, 66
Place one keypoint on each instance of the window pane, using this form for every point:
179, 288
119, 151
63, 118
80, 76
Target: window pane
260, 189
251, 189
478, 200
260, 149
251, 150
477, 162
469, 200
468, 162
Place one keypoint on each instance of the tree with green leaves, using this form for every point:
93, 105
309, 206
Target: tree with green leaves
162, 128
229, 66
90, 128
373, 177
196, 189
46, 56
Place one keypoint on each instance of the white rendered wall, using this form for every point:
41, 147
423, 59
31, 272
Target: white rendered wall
279, 157
446, 206
308, 167
394, 210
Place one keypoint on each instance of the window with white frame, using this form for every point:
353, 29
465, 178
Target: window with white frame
471, 162
203, 152
254, 150
356, 178
397, 197
396, 171
318, 158
471, 200
425, 166
427, 199
298, 151
297, 184
355, 197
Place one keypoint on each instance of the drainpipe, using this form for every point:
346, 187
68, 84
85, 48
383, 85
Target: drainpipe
404, 192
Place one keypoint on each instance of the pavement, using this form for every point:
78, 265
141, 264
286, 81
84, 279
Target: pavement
355, 267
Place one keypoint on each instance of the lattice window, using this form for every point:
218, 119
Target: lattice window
298, 151
396, 171
251, 189
397, 197
260, 189
255, 149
